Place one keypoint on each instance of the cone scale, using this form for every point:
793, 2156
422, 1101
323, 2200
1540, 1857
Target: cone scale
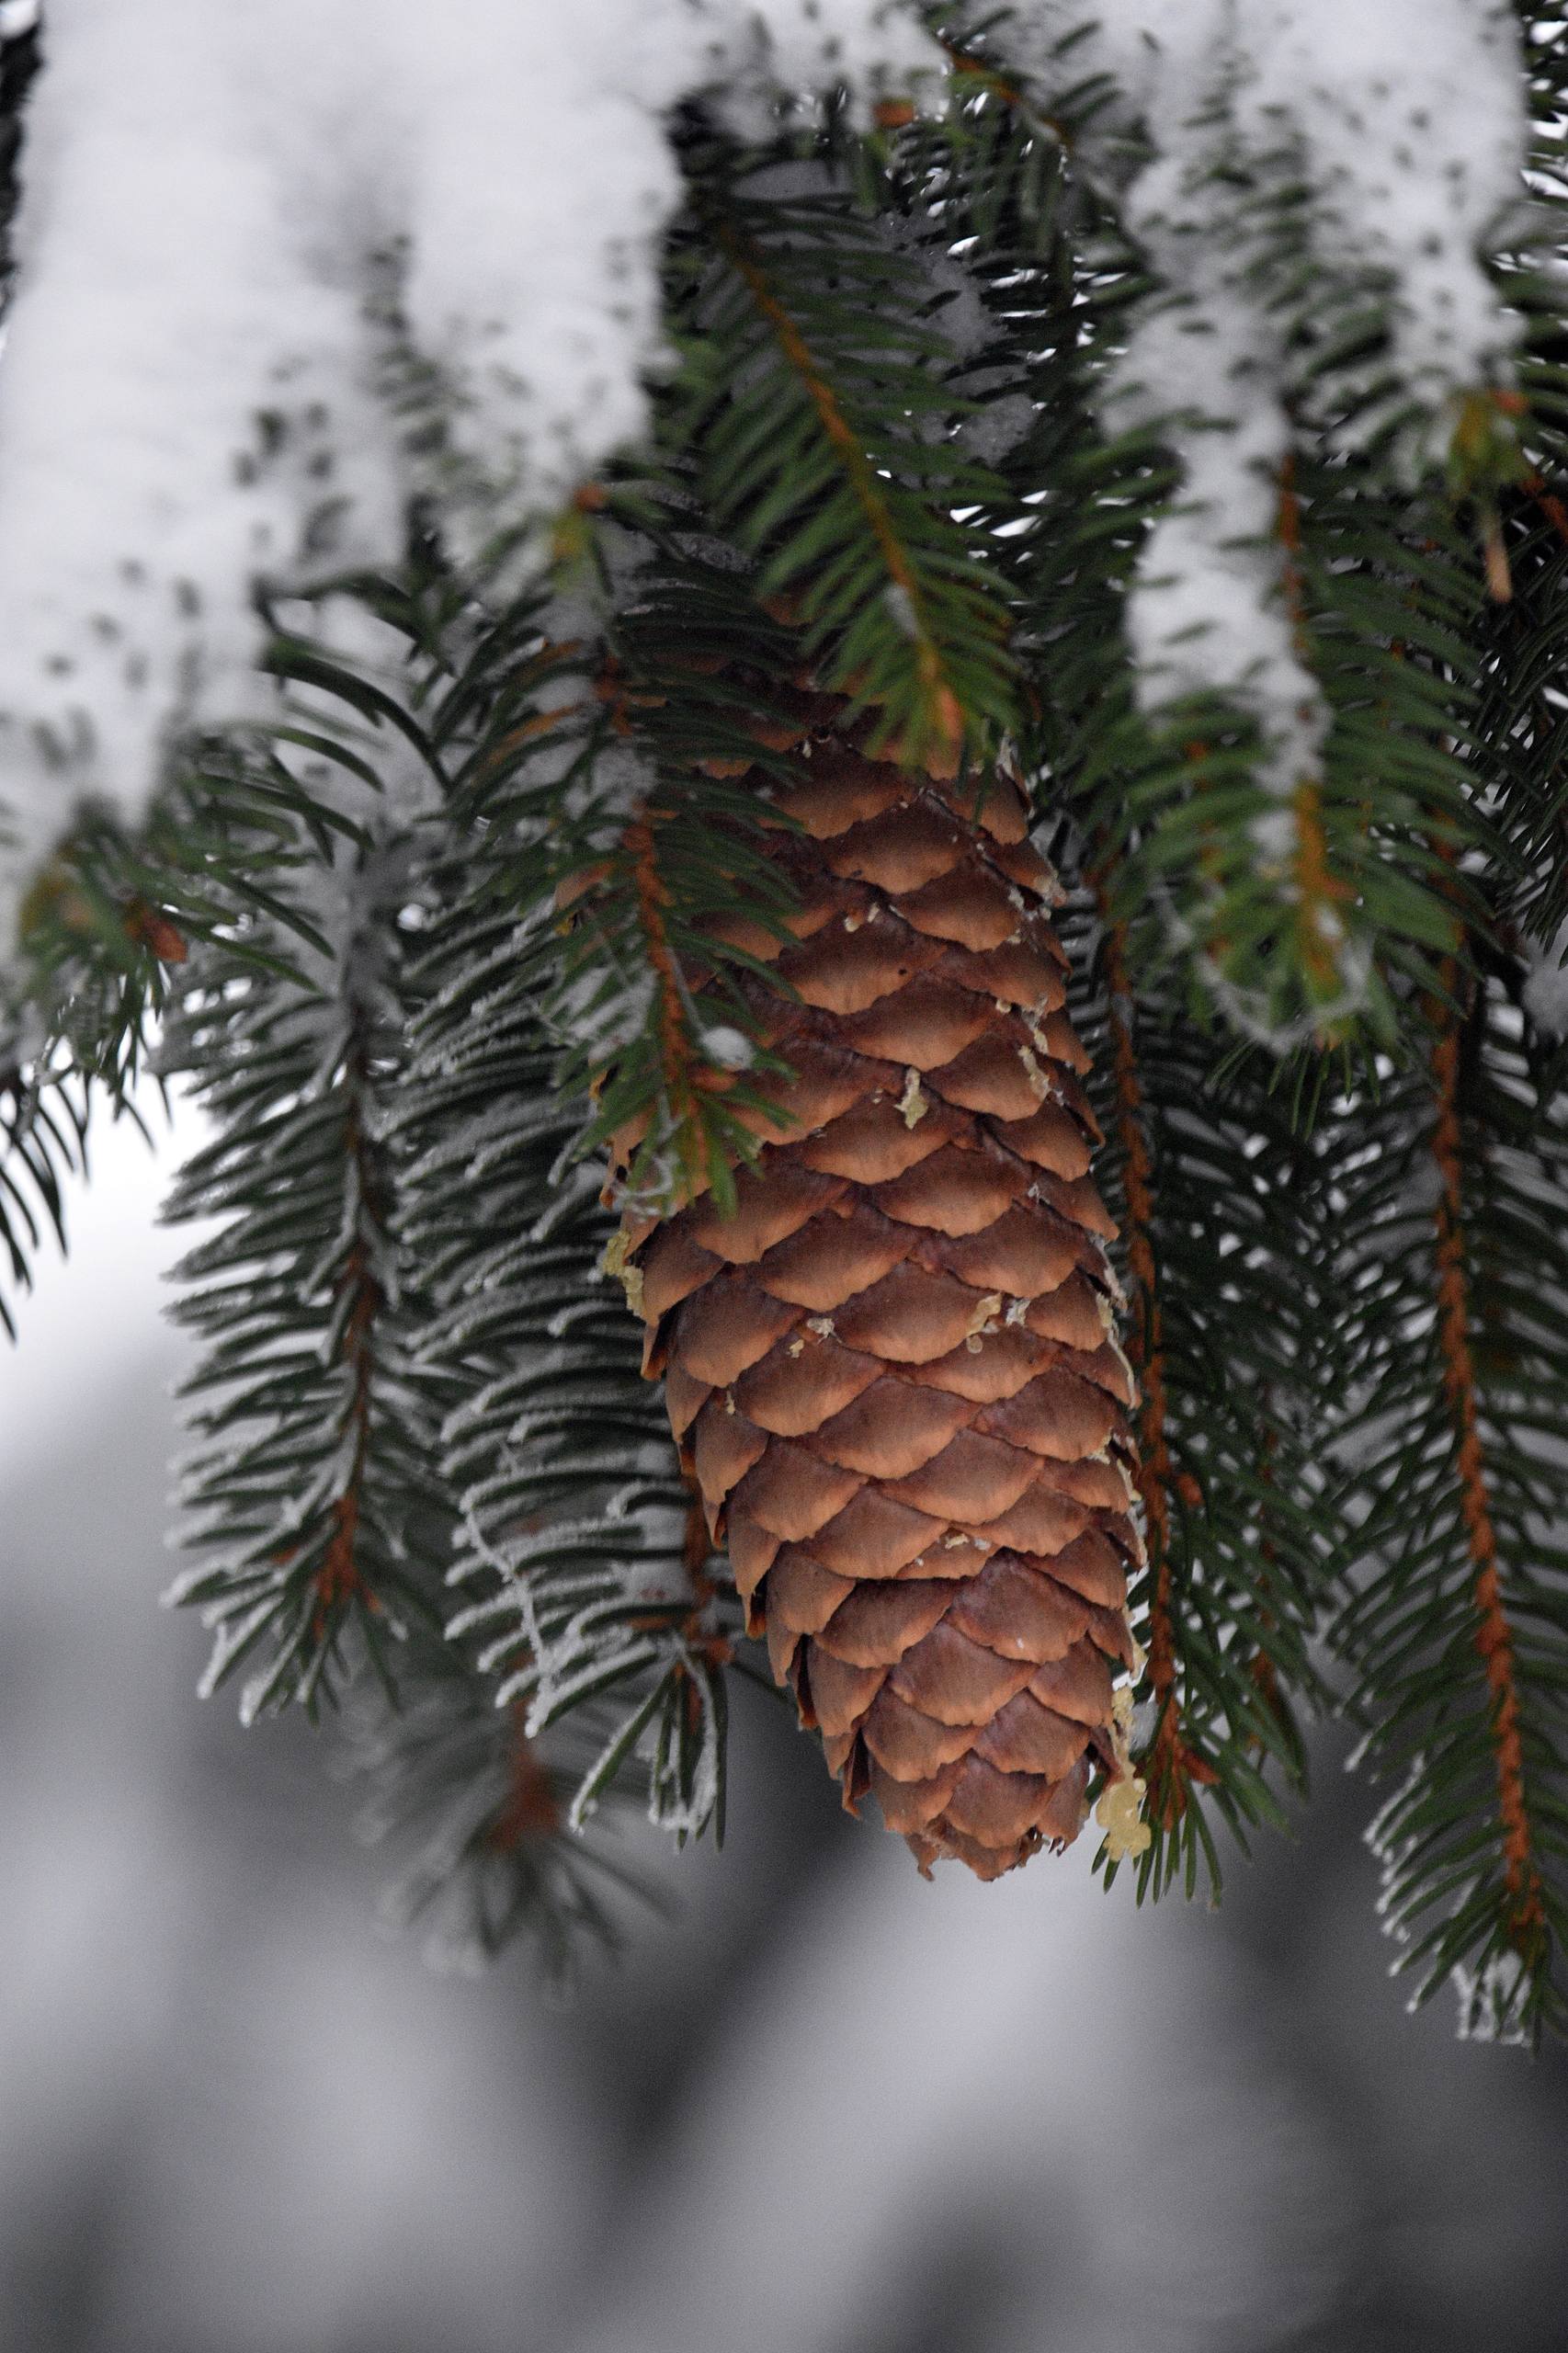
892, 1372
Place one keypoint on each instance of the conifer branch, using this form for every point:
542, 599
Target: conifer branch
1493, 1635
512, 894
820, 405
1210, 1181
303, 1501
940, 725
472, 1813
1170, 1762
678, 1121
1163, 1758
530, 1808
676, 1052
339, 1582
1318, 897
589, 1606
975, 74
1452, 1436
43, 1137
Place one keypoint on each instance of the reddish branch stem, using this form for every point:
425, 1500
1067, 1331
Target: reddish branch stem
1551, 505
1494, 1637
339, 1579
653, 898
944, 712
531, 1809
1319, 891
967, 67
1168, 1761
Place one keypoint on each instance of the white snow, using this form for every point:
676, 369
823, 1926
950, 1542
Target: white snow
1406, 121
287, 211
730, 1049
219, 204
1546, 989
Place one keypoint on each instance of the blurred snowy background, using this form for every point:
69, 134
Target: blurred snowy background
823, 2109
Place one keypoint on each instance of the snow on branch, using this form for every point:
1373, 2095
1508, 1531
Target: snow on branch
1314, 186
223, 207
259, 246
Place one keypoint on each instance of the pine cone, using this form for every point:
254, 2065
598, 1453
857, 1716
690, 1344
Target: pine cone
893, 1371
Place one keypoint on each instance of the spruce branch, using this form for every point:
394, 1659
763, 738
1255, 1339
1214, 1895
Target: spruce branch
1170, 1763
1457, 1599
1494, 1636
940, 723
1296, 902
821, 408
1211, 1180
307, 1462
509, 894
314, 1482
43, 1144
590, 1604
471, 1813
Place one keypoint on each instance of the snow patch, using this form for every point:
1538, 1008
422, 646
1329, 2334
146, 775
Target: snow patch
1546, 990
240, 228
1281, 163
257, 243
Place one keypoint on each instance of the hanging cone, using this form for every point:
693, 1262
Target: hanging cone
892, 1371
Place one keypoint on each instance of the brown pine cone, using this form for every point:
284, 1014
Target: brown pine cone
893, 1371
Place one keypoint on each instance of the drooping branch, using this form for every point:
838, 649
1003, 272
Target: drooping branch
943, 715
679, 1060
1169, 1764
316, 1524
1317, 894
1493, 1635
339, 1581
530, 1808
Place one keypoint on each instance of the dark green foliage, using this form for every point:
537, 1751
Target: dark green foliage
466, 914
616, 811
1224, 1238
311, 1481
821, 407
328, 1502
471, 1812
43, 1144
576, 1528
1416, 1623
1294, 943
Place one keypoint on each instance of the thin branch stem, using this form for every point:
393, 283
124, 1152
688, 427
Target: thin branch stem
944, 711
1166, 1753
1494, 1634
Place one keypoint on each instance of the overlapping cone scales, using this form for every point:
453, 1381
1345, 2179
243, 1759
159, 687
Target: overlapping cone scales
892, 1370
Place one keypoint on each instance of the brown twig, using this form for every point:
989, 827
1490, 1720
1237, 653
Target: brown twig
638, 842
339, 1580
971, 68
944, 711
1169, 1763
1551, 505
1493, 1635
1319, 891
531, 1809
